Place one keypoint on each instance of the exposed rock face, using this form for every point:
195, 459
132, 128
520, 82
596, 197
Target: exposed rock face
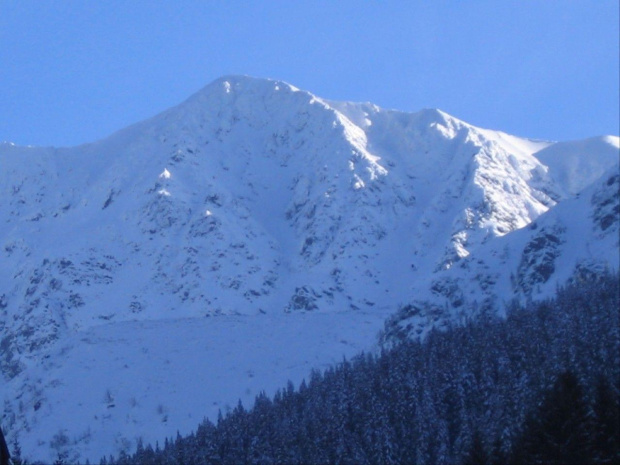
538, 258
606, 204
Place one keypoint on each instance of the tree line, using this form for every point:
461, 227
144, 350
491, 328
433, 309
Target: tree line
540, 386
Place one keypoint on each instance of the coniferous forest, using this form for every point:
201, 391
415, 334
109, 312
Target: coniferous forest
541, 386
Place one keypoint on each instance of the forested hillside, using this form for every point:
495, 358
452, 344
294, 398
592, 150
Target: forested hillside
541, 386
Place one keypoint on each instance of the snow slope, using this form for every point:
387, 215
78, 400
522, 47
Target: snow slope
255, 228
575, 165
579, 237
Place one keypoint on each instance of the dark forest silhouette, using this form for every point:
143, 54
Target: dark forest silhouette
539, 387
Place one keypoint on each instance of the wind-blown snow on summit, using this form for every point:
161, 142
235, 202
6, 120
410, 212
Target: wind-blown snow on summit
255, 201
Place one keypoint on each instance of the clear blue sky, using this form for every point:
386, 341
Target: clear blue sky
76, 71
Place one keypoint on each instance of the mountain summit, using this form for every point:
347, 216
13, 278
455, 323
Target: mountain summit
256, 222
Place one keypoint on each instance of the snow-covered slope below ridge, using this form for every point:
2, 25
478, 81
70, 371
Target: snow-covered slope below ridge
577, 238
251, 198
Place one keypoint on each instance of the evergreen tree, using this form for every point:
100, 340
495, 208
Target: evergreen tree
560, 431
477, 454
606, 423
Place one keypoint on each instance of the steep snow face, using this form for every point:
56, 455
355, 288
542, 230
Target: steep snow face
201, 210
467, 184
575, 165
578, 235
257, 205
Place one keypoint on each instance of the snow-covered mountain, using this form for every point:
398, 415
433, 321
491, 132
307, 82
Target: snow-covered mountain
577, 238
255, 231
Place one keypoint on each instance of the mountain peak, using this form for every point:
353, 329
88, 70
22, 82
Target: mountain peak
235, 84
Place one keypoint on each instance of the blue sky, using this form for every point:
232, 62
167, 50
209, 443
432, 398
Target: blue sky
76, 71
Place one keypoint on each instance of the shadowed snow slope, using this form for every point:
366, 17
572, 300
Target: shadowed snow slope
255, 231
